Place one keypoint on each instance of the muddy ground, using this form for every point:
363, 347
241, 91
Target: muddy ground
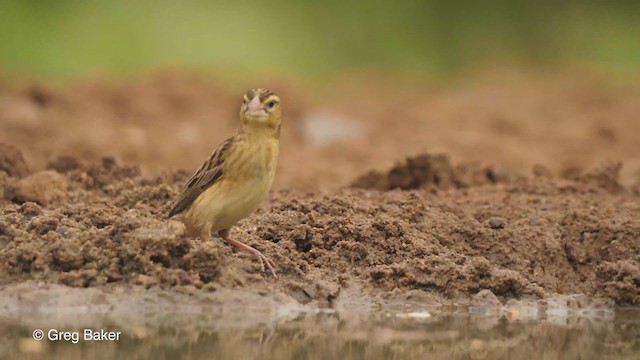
522, 184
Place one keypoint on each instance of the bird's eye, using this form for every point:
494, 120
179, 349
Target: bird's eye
271, 104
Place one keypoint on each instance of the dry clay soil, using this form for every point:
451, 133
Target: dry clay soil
538, 193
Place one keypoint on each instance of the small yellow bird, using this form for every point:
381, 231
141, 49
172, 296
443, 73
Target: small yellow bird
237, 176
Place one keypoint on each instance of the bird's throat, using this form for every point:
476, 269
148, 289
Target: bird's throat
258, 131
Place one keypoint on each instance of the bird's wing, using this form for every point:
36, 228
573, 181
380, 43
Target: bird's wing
208, 174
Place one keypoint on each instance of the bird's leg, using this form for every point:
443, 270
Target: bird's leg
262, 259
205, 232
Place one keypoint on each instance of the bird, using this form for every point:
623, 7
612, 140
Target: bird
237, 176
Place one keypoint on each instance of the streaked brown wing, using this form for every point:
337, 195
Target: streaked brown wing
208, 174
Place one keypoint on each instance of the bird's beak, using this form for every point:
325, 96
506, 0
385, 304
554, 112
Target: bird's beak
256, 108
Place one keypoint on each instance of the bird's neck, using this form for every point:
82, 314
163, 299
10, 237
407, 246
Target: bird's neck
260, 131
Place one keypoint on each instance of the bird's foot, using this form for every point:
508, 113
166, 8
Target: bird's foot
262, 259
251, 251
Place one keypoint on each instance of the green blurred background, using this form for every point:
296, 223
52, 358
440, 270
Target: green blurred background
63, 38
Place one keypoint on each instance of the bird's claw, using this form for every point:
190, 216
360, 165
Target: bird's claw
262, 260
252, 251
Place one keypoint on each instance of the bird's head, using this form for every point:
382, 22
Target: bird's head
261, 109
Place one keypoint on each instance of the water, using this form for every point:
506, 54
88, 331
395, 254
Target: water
476, 333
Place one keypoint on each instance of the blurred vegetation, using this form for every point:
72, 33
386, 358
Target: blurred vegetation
312, 38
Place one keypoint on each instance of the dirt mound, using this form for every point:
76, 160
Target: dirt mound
12, 161
171, 119
606, 176
428, 171
555, 237
104, 235
528, 238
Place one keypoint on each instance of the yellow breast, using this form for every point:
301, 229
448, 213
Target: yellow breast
248, 175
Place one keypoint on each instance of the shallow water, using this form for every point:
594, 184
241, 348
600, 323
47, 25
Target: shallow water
471, 334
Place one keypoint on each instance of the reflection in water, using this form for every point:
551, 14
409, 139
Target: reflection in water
333, 335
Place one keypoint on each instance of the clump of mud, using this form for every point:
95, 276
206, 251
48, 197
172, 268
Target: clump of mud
432, 171
11, 161
105, 224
